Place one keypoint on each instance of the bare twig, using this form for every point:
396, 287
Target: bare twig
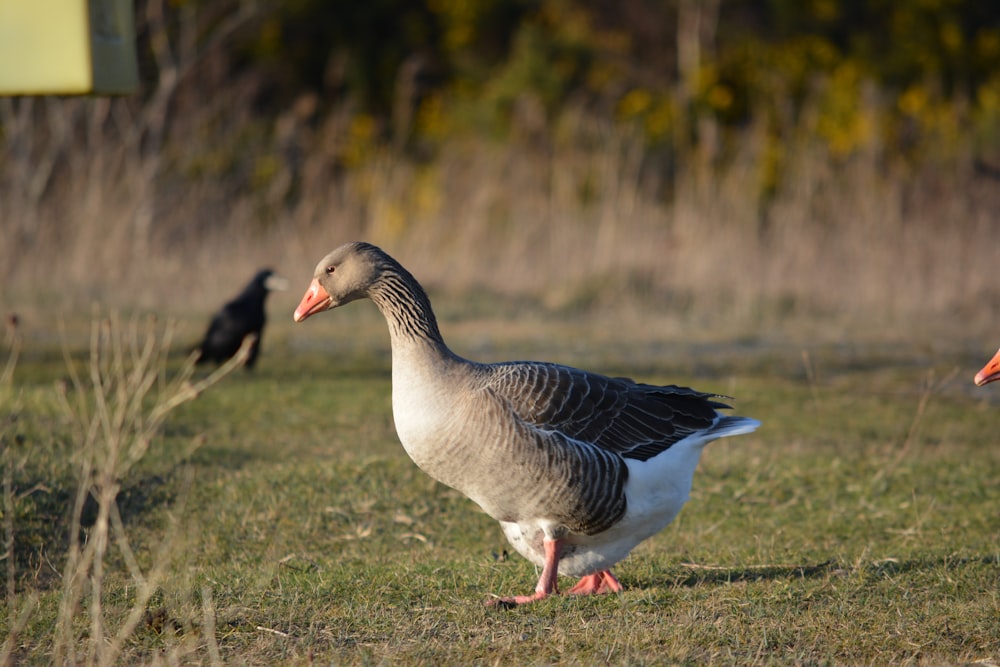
119, 406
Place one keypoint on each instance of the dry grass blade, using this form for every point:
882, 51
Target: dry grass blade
8, 510
208, 626
14, 343
22, 621
930, 389
8, 529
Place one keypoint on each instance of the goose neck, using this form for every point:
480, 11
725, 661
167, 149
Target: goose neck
406, 308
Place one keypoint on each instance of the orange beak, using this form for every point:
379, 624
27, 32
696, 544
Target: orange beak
990, 372
316, 300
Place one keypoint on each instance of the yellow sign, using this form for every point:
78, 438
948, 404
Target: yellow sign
67, 47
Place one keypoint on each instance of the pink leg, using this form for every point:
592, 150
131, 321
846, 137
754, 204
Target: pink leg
596, 584
546, 585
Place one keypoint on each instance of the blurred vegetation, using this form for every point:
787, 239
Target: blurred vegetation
816, 146
916, 81
910, 77
908, 84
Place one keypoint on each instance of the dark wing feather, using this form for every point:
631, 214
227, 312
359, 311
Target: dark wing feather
238, 319
229, 327
637, 421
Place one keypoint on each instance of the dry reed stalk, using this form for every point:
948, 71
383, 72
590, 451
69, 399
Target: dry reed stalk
119, 406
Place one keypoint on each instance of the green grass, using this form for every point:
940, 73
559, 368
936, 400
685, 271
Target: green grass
859, 525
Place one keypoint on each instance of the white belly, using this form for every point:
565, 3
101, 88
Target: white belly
656, 491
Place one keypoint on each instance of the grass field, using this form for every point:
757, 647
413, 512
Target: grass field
276, 520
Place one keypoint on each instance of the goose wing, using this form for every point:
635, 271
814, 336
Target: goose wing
634, 420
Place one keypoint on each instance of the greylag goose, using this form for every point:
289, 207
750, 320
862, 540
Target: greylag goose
577, 467
243, 316
990, 372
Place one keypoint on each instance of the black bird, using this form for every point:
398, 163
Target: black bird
238, 319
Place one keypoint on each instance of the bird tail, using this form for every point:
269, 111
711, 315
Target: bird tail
728, 425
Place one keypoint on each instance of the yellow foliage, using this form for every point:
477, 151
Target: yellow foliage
602, 75
617, 42
460, 20
392, 221
660, 120
706, 77
913, 101
988, 97
951, 36
771, 164
842, 121
988, 109
988, 44
934, 119
635, 102
427, 196
571, 22
825, 10
265, 168
720, 97
432, 119
269, 37
360, 140
656, 114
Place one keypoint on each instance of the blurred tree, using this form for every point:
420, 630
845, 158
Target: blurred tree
556, 50
686, 73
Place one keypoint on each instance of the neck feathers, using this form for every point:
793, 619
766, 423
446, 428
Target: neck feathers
404, 303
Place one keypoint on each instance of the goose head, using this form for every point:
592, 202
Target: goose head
346, 274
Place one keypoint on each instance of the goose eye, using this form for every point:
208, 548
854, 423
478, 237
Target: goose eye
330, 269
